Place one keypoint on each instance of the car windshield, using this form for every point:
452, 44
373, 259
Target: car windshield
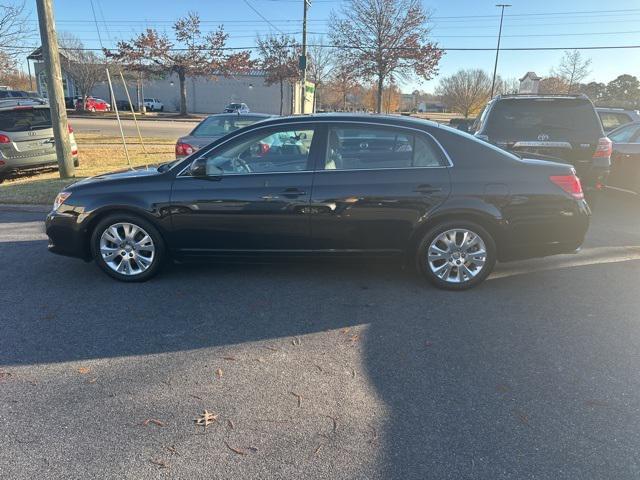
528, 118
22, 120
218, 126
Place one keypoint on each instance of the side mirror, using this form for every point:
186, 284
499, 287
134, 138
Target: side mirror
201, 168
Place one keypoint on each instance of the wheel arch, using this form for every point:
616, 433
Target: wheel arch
494, 224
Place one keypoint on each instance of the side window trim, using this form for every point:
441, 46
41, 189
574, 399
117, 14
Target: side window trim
414, 132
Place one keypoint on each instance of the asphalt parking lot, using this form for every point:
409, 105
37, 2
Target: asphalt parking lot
322, 370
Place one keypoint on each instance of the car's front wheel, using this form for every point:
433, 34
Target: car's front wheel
456, 255
127, 248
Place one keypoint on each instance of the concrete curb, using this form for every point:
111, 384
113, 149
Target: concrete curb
140, 119
23, 207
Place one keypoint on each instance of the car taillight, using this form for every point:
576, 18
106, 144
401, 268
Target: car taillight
184, 149
570, 184
604, 148
4, 139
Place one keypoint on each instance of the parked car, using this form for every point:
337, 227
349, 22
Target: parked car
92, 104
26, 137
561, 127
212, 128
124, 106
4, 94
613, 118
153, 105
236, 108
328, 185
625, 160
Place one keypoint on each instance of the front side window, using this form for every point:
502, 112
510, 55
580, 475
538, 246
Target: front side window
361, 148
265, 152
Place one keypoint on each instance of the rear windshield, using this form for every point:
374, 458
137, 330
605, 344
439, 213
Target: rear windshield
25, 120
234, 105
528, 118
218, 126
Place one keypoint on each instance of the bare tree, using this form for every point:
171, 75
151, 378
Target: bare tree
466, 91
193, 54
573, 69
320, 66
279, 60
553, 84
385, 39
85, 67
14, 29
343, 81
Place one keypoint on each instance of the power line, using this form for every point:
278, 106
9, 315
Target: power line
262, 16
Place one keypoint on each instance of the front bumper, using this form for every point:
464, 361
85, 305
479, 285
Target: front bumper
66, 235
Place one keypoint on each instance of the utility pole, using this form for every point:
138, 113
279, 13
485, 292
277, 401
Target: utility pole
55, 90
303, 57
495, 66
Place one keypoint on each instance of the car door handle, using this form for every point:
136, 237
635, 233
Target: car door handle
426, 189
293, 193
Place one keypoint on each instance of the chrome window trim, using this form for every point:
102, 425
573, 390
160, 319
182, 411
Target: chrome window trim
329, 121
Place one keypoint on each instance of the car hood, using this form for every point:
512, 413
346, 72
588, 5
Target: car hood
119, 175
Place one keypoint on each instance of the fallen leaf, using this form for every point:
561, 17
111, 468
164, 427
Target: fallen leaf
299, 397
173, 450
597, 403
502, 388
159, 463
84, 370
335, 423
345, 330
523, 417
428, 343
5, 374
152, 420
92, 380
205, 419
318, 448
296, 341
235, 450
253, 449
230, 424
232, 359
219, 373
195, 396
273, 349
354, 338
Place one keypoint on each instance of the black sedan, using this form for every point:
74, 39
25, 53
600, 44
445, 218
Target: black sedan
328, 185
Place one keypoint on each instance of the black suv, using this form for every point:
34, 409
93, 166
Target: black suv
564, 128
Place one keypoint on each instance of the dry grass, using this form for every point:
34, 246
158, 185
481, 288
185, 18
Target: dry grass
98, 154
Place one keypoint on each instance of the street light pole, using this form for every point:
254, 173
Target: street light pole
495, 66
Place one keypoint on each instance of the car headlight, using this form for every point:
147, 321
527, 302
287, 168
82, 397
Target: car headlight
60, 199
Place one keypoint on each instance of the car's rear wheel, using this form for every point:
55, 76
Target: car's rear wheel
127, 248
456, 255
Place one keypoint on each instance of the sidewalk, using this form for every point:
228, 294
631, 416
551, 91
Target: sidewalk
24, 207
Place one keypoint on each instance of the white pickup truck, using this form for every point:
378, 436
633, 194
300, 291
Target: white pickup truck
153, 105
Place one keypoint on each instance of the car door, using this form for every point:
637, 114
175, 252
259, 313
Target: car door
625, 158
373, 185
255, 198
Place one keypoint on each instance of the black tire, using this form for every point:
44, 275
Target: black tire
158, 256
425, 269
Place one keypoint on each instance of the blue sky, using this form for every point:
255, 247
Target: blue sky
456, 23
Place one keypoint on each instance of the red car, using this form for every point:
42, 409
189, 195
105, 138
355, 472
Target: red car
93, 105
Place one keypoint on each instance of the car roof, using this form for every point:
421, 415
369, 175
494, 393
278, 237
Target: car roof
354, 117
12, 103
546, 96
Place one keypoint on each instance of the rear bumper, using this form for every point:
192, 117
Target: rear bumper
66, 235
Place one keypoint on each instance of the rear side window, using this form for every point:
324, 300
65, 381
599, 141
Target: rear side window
526, 119
360, 148
23, 120
613, 120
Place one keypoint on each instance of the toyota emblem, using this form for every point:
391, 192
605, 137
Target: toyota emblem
543, 137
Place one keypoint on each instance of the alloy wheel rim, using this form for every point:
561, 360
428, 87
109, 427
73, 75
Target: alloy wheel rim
127, 248
457, 255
